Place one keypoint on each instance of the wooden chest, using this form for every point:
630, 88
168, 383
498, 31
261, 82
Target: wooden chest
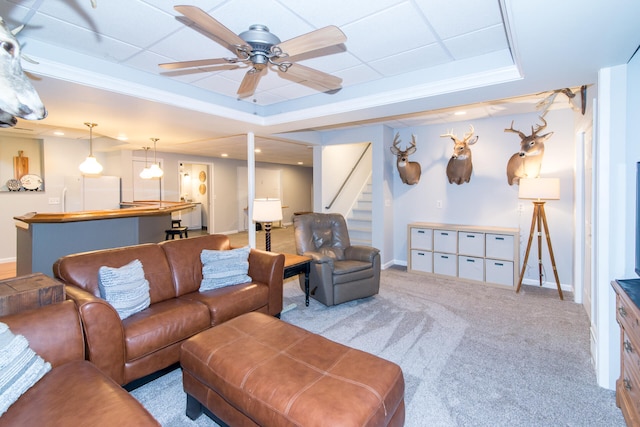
28, 292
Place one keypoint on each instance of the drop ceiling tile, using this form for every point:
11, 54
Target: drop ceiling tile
423, 57
155, 22
356, 75
450, 18
77, 39
396, 30
323, 13
478, 42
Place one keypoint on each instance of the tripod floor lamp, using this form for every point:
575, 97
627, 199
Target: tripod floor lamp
266, 212
540, 190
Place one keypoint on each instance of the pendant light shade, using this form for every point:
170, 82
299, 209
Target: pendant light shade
90, 166
154, 169
146, 173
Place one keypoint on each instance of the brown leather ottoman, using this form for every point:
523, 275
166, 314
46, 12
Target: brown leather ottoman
258, 370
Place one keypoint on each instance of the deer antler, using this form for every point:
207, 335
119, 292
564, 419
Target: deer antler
449, 134
413, 141
469, 134
539, 127
511, 129
396, 140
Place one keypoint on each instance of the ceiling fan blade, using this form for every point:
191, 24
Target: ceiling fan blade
320, 78
250, 82
318, 39
208, 23
197, 63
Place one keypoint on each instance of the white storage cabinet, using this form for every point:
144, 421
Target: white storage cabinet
472, 253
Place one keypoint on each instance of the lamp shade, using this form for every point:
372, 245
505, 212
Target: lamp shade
90, 166
267, 210
539, 188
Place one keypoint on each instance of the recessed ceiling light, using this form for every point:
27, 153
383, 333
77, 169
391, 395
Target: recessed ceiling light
459, 113
257, 150
301, 163
58, 133
122, 138
224, 155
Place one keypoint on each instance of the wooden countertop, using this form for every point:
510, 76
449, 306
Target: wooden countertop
129, 209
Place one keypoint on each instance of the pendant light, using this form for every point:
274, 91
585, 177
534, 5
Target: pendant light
146, 173
154, 169
90, 166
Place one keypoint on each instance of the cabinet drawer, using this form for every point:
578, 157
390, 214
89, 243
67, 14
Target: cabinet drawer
422, 238
471, 268
471, 244
626, 316
499, 246
445, 264
445, 241
498, 271
422, 261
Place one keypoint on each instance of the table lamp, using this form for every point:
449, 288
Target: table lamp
540, 190
266, 211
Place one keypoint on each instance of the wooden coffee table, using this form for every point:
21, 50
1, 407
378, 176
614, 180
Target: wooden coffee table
295, 265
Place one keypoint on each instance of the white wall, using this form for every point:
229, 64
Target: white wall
488, 200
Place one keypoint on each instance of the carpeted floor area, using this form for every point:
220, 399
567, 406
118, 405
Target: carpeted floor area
472, 355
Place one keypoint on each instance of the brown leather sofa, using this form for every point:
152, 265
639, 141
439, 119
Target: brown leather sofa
150, 340
74, 392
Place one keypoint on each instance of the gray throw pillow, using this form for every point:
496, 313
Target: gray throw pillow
125, 288
20, 367
224, 268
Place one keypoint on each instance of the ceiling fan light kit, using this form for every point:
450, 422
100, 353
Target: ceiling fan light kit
260, 48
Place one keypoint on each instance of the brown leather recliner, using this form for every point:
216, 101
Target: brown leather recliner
339, 272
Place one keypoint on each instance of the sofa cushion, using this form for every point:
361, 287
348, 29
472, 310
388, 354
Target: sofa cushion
20, 367
77, 394
125, 288
183, 255
224, 268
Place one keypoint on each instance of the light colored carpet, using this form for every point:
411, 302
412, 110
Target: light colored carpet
472, 355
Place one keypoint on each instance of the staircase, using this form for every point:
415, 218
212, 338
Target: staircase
359, 220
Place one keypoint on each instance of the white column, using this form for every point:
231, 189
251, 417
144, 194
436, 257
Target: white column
251, 187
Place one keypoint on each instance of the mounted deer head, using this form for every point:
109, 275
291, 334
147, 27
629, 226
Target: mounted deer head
409, 171
526, 163
18, 98
460, 167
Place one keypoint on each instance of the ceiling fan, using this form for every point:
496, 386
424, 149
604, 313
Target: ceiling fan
259, 48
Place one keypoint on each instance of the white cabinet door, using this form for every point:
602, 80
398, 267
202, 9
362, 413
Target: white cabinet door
471, 268
499, 246
445, 264
471, 244
422, 238
445, 241
498, 271
422, 260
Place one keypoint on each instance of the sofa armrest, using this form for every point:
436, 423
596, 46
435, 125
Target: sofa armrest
104, 335
53, 331
361, 253
268, 268
319, 258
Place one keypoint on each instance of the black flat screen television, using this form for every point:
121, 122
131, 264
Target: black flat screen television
638, 218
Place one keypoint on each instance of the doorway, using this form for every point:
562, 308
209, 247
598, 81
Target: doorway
195, 182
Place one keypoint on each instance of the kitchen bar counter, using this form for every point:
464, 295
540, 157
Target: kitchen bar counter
42, 238
129, 209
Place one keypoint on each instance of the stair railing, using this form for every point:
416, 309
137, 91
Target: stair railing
344, 183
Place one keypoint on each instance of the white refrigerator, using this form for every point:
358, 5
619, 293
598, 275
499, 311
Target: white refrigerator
85, 193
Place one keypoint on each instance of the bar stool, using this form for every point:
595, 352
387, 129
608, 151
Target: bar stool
173, 231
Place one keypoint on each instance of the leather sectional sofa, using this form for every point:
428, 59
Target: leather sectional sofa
74, 392
150, 340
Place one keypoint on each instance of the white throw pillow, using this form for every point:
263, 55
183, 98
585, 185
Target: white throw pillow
20, 367
125, 288
224, 268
